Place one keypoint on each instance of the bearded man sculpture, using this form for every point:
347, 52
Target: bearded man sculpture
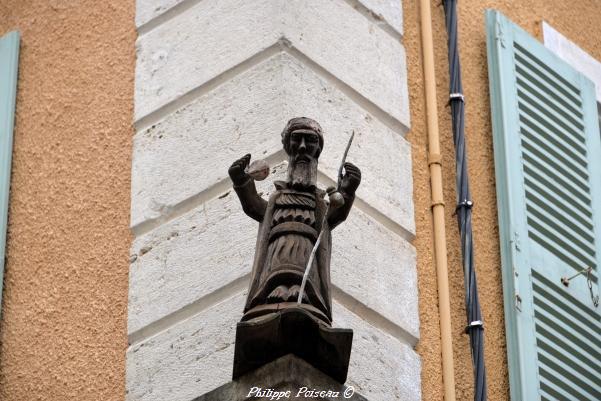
274, 323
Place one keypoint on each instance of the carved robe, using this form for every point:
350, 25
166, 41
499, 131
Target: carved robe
289, 225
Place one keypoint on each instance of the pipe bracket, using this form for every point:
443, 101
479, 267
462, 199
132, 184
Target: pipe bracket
436, 203
434, 158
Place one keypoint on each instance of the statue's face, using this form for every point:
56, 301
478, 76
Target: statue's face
304, 145
302, 159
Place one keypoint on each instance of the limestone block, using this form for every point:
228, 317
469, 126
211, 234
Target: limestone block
191, 257
289, 376
190, 150
390, 11
196, 356
149, 9
188, 359
196, 46
377, 268
215, 35
381, 367
353, 49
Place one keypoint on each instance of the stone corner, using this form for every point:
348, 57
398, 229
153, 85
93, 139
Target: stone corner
288, 377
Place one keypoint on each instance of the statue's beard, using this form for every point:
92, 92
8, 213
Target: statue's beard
302, 174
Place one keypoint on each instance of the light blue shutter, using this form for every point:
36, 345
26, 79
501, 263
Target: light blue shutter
9, 56
548, 171
599, 113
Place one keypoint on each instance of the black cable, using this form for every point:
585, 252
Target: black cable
475, 327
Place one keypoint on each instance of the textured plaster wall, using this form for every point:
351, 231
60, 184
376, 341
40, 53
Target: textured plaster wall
580, 22
63, 331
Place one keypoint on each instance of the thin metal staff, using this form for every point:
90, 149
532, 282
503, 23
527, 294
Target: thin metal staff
323, 220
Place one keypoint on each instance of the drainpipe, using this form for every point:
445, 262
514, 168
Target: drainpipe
434, 163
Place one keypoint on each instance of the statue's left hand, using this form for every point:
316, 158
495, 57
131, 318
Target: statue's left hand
351, 178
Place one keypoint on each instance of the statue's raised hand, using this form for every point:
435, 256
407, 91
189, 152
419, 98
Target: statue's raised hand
351, 178
237, 170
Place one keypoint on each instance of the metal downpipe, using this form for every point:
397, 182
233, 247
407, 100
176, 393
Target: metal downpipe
438, 215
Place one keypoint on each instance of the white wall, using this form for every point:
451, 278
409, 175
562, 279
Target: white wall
216, 79
573, 55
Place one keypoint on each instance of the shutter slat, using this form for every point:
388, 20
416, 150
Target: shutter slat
555, 138
557, 176
527, 75
570, 138
551, 376
559, 223
554, 150
552, 124
563, 376
541, 95
551, 392
550, 158
570, 314
573, 362
541, 70
560, 335
556, 242
573, 307
564, 370
553, 118
539, 179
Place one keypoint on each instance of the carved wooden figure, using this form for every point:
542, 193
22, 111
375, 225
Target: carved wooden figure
290, 222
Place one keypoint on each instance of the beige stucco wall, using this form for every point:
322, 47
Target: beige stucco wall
580, 22
63, 331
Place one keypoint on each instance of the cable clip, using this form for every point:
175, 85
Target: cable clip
465, 203
475, 323
454, 96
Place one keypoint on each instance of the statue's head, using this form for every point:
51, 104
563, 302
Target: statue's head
303, 141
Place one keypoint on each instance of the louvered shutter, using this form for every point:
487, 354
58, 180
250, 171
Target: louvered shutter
599, 114
548, 172
9, 55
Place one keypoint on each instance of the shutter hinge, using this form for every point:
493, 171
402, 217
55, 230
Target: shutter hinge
516, 296
499, 34
516, 241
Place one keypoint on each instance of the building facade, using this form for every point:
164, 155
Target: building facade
128, 255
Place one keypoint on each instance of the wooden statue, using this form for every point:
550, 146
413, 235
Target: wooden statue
277, 318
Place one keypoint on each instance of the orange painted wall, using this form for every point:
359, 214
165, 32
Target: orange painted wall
63, 331
580, 21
